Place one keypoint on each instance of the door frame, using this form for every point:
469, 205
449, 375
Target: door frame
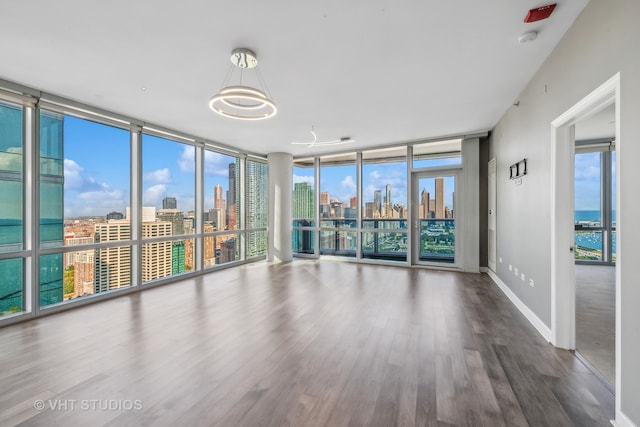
563, 325
414, 228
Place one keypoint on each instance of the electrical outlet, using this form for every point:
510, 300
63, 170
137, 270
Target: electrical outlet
515, 271
522, 277
531, 282
500, 259
510, 267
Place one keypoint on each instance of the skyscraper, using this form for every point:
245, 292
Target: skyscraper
324, 198
218, 201
175, 217
177, 257
169, 203
303, 201
439, 197
156, 256
388, 205
232, 197
112, 268
257, 206
377, 201
423, 209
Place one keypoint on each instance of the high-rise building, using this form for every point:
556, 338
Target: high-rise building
353, 202
439, 197
148, 213
232, 196
377, 201
175, 217
257, 206
112, 265
325, 198
115, 215
227, 251
387, 208
216, 217
423, 209
169, 203
303, 201
177, 257
218, 200
156, 256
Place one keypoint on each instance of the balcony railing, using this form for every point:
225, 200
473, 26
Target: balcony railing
384, 239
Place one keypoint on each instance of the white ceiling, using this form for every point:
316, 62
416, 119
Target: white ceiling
380, 71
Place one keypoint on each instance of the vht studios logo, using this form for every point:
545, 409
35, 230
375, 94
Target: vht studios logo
88, 405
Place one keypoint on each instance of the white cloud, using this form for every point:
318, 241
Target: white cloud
216, 163
187, 159
348, 183
302, 178
72, 175
153, 195
160, 176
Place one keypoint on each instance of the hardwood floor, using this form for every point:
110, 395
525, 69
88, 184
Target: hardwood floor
305, 343
596, 317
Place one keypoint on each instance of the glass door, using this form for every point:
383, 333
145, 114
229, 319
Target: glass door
434, 218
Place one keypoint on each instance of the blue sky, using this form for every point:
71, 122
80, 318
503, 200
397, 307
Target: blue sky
97, 170
587, 181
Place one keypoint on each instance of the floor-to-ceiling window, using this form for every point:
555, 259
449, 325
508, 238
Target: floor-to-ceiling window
304, 207
12, 290
363, 203
168, 207
84, 194
384, 204
338, 205
595, 214
114, 203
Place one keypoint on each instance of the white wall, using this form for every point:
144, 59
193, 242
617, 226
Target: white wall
604, 40
280, 194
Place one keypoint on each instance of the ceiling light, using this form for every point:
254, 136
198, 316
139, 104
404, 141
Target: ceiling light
315, 142
243, 102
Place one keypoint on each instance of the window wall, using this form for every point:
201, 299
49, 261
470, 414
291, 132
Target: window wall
117, 204
304, 207
363, 203
12, 211
595, 214
168, 207
338, 205
384, 204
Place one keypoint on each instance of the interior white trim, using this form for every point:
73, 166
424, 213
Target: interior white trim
622, 420
526, 311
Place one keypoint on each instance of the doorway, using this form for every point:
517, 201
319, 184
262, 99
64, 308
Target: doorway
434, 212
563, 285
595, 242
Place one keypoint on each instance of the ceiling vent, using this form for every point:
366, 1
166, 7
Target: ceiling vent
539, 13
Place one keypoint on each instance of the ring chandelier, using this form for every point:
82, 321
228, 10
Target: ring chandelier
243, 102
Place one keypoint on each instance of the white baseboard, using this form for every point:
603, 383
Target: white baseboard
543, 329
484, 269
622, 421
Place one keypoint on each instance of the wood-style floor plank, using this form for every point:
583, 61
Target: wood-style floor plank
308, 343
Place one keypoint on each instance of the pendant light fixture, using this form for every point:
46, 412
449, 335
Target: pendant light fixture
243, 102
